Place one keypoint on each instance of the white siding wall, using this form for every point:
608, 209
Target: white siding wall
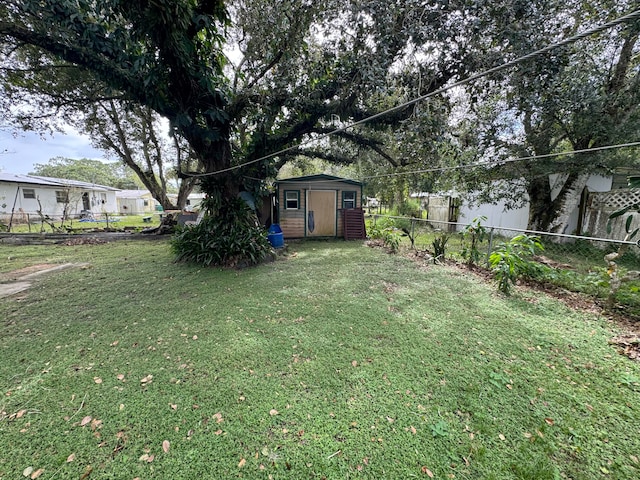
50, 206
497, 215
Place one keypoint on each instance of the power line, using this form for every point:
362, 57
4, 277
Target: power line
487, 163
631, 16
503, 162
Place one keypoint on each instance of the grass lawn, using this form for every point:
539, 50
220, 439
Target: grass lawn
116, 222
338, 361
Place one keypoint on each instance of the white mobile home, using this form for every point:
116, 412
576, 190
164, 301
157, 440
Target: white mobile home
136, 202
24, 195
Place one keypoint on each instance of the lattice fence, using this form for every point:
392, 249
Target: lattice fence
615, 199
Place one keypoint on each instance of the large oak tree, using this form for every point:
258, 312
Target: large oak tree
242, 82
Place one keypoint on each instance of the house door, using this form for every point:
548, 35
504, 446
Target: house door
321, 213
85, 201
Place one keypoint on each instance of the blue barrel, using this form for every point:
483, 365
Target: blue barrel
275, 236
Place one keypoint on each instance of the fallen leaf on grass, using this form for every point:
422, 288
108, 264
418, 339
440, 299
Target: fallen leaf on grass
428, 472
120, 377
633, 458
87, 472
146, 380
98, 380
218, 417
27, 471
21, 413
173, 406
165, 446
85, 421
95, 424
354, 363
273, 412
71, 458
241, 463
37, 473
549, 421
502, 437
413, 429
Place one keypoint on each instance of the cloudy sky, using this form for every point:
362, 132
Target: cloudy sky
19, 154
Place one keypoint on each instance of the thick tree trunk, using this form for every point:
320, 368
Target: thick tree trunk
552, 215
186, 187
541, 212
567, 201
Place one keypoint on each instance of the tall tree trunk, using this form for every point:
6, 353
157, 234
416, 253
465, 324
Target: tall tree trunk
186, 186
567, 201
552, 215
541, 212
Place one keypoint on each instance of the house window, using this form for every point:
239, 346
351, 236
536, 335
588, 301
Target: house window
292, 199
145, 203
28, 193
348, 199
62, 196
103, 198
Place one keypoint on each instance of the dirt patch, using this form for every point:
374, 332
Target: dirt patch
84, 241
21, 272
628, 344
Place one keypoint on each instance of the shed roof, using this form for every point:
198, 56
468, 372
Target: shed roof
51, 182
133, 194
319, 178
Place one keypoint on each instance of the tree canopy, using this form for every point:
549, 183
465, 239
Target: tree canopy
583, 96
240, 80
86, 170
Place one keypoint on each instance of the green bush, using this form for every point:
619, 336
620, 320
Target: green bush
229, 238
390, 235
512, 260
474, 233
439, 245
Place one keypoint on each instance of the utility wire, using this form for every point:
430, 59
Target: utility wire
503, 162
483, 164
626, 18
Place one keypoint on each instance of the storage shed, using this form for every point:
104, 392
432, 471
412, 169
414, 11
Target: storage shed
320, 206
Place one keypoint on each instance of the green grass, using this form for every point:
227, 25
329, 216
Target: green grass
583, 267
115, 222
338, 361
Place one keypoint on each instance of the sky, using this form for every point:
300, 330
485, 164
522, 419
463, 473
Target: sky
19, 154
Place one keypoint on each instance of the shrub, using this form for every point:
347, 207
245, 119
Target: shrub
408, 208
231, 237
385, 230
475, 232
511, 260
439, 245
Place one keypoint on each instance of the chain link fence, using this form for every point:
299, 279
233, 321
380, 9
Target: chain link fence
571, 251
33, 223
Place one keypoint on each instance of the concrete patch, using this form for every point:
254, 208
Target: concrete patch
17, 283
8, 289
